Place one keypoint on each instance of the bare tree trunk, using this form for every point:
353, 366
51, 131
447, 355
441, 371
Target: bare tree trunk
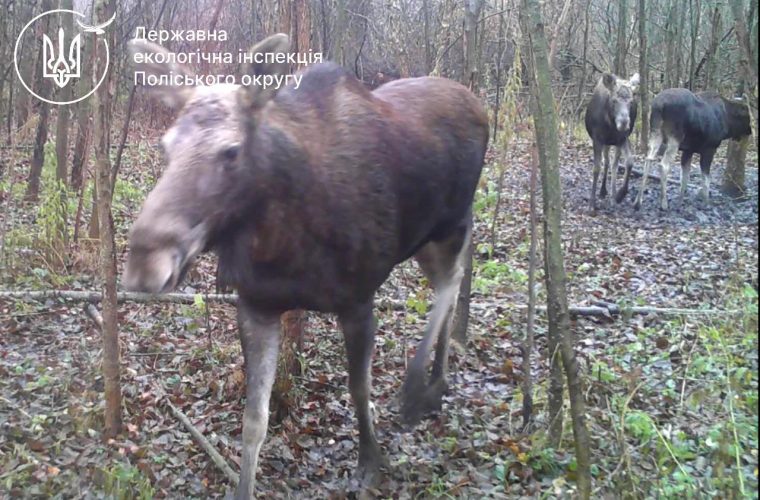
83, 129
426, 34
11, 109
733, 178
670, 40
499, 62
681, 9
695, 11
752, 31
81, 147
472, 9
622, 38
582, 84
339, 35
293, 325
64, 94
38, 154
527, 384
93, 231
27, 71
749, 59
470, 78
102, 106
711, 78
546, 130
556, 379
644, 74
295, 20
253, 21
42, 86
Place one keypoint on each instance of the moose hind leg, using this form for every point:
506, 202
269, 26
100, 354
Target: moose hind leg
260, 339
443, 264
705, 162
667, 161
685, 173
359, 333
655, 141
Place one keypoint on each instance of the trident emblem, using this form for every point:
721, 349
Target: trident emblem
60, 69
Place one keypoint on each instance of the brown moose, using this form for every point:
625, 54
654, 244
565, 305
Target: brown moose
310, 196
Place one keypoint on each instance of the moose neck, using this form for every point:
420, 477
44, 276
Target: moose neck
283, 205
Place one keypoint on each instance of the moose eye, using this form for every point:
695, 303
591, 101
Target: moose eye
229, 153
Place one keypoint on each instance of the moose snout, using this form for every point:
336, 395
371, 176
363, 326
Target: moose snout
622, 121
153, 271
158, 258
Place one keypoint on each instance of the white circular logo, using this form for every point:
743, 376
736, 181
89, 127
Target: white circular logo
61, 63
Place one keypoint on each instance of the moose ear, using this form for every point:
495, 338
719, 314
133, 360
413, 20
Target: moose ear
264, 56
144, 57
610, 81
634, 82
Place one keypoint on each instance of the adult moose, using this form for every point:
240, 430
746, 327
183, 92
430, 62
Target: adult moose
310, 197
610, 117
693, 123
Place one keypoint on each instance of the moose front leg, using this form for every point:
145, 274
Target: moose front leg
598, 147
260, 339
603, 191
358, 327
628, 160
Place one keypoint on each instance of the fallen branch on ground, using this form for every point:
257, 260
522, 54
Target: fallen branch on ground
91, 296
654, 176
608, 310
600, 309
94, 315
209, 448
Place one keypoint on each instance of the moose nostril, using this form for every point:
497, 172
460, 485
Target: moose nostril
168, 284
230, 152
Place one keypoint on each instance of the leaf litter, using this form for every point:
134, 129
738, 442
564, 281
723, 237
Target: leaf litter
645, 375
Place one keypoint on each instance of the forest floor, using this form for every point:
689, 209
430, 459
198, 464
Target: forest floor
672, 400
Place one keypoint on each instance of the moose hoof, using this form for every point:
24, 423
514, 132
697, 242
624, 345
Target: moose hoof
413, 400
620, 196
425, 400
369, 473
637, 205
434, 395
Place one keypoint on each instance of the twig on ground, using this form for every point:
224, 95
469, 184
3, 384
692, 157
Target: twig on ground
94, 315
215, 456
